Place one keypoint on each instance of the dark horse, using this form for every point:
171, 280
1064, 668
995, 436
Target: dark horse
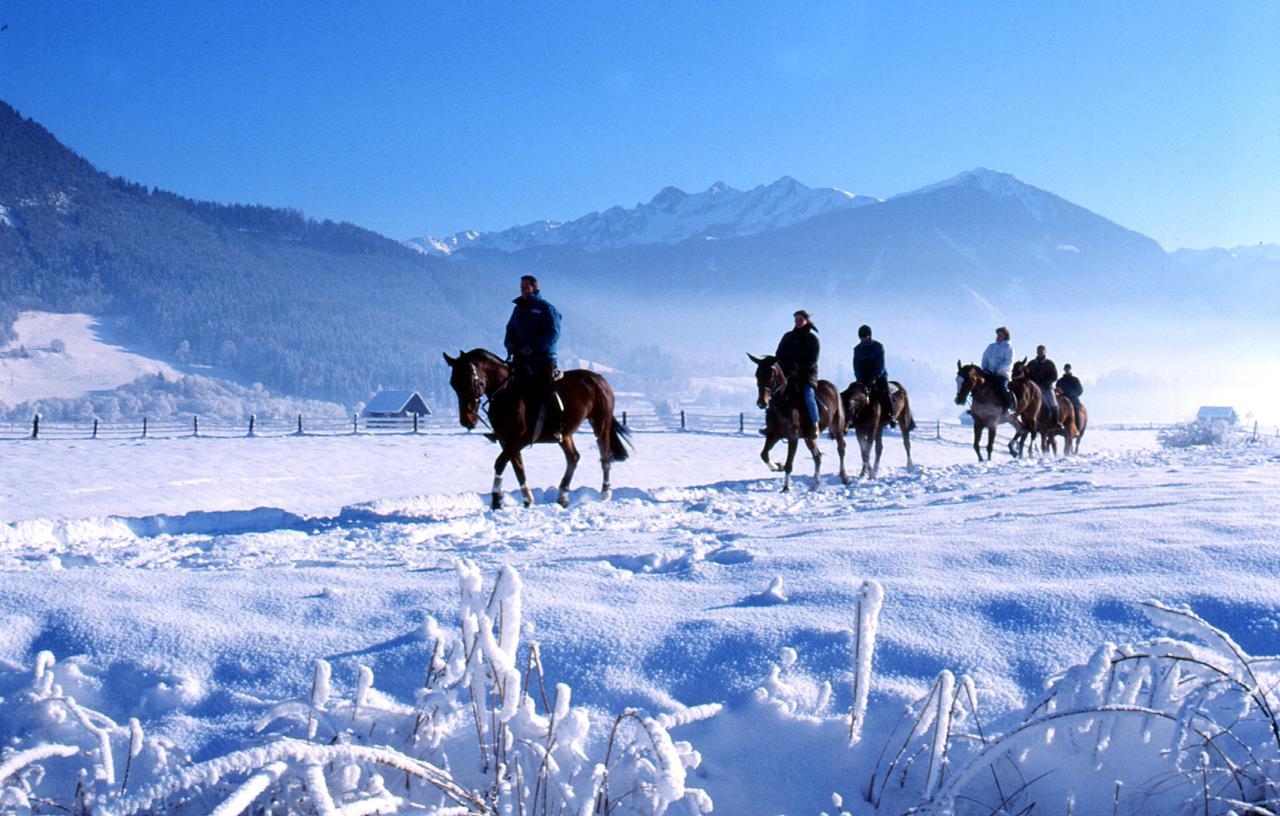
478, 373
1045, 420
868, 420
782, 418
988, 407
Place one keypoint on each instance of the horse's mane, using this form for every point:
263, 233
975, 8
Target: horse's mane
486, 355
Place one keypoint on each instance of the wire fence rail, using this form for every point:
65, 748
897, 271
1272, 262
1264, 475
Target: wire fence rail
722, 422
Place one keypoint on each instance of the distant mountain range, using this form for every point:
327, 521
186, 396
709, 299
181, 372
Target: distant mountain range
672, 216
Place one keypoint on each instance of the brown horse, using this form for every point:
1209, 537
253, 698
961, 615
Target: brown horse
1045, 420
782, 419
1082, 421
988, 409
868, 419
479, 374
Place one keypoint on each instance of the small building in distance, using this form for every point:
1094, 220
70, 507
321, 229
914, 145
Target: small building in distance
1217, 413
396, 405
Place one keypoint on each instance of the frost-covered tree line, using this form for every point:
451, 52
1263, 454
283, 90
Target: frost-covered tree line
1177, 724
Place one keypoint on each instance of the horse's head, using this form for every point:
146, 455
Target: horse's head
769, 379
468, 382
856, 397
1019, 369
968, 378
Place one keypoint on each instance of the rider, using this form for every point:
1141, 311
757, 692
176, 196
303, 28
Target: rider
798, 356
997, 361
531, 338
869, 371
1070, 386
1044, 373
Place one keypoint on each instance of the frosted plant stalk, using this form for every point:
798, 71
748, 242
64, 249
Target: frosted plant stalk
870, 600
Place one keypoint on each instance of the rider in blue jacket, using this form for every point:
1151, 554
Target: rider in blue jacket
869, 371
531, 338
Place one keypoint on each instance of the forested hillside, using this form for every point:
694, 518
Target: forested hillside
312, 308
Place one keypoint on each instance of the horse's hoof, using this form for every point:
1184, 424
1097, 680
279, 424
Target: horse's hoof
563, 500
606, 495
496, 504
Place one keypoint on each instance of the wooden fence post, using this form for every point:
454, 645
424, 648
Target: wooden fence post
299, 424
144, 427
742, 422
624, 421
195, 425
253, 420
415, 423
35, 427
1255, 430
95, 429
682, 425
355, 423
938, 430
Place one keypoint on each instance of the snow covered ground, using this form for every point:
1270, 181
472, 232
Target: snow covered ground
87, 361
202, 578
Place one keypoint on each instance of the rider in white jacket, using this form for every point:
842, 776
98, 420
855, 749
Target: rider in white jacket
997, 360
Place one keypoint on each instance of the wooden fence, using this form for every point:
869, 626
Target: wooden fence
738, 423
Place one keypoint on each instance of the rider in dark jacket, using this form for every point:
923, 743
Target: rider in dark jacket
1070, 386
869, 370
1044, 373
531, 338
798, 356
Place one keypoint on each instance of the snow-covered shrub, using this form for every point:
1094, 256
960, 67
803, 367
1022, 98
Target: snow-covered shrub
1200, 432
1166, 726
486, 735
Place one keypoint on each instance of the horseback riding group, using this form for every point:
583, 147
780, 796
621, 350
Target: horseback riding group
1029, 395
527, 399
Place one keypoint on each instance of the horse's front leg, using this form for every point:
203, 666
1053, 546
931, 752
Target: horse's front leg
906, 442
769, 442
864, 445
517, 464
571, 457
977, 440
875, 469
991, 441
786, 468
817, 461
499, 465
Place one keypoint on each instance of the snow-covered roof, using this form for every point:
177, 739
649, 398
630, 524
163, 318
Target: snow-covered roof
393, 402
1216, 412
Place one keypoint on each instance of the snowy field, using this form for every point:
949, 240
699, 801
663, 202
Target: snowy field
191, 583
66, 355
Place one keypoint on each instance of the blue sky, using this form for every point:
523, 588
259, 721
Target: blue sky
414, 118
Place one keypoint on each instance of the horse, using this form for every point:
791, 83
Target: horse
1082, 421
1045, 419
868, 419
988, 409
585, 395
782, 419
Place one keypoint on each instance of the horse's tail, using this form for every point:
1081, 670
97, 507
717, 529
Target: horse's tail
907, 421
619, 441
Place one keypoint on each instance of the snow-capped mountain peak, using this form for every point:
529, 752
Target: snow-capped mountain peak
1001, 185
669, 217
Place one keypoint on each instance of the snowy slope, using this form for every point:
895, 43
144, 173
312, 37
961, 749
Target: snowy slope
86, 363
670, 217
1006, 571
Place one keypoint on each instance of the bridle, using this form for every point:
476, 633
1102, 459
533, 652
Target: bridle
777, 385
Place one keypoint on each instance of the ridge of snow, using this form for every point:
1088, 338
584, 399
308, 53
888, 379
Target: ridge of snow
671, 216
